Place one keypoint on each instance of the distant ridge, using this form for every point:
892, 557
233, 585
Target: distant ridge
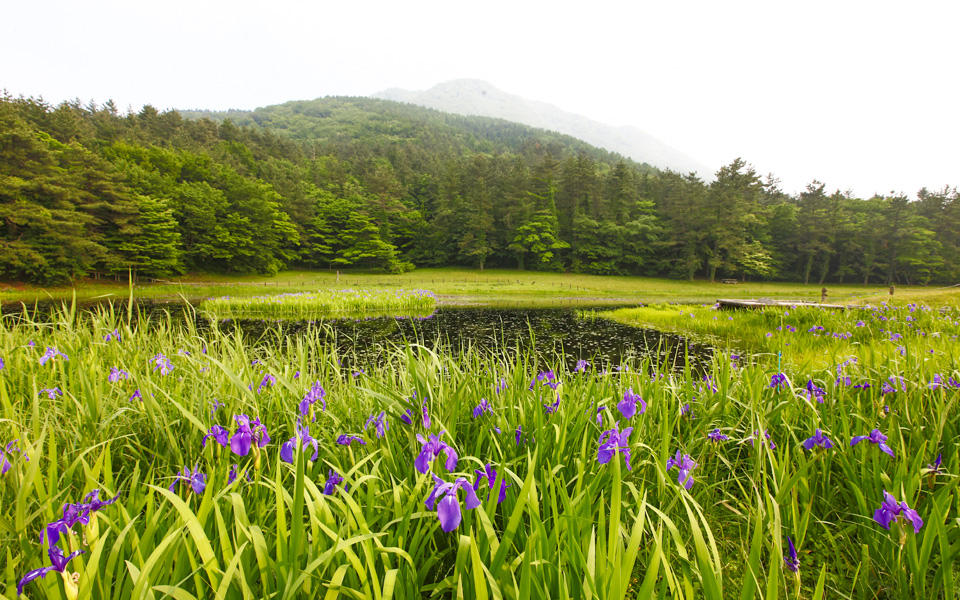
476, 97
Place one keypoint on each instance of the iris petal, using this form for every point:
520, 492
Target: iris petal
448, 511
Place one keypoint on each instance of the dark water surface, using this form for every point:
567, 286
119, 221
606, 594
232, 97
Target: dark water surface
552, 332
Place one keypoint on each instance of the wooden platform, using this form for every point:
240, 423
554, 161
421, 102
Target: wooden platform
767, 303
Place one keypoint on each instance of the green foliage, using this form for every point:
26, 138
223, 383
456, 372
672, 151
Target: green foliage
380, 185
568, 526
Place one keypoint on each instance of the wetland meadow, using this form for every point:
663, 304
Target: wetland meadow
364, 438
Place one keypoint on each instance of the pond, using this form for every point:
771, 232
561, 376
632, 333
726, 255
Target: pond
552, 332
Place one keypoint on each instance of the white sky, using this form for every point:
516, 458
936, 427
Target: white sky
859, 95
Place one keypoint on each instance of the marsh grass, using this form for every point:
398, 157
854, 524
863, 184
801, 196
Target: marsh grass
569, 526
802, 336
321, 303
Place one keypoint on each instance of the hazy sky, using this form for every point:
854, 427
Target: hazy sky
859, 95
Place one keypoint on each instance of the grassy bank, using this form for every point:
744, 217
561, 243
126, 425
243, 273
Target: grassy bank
806, 337
463, 286
591, 505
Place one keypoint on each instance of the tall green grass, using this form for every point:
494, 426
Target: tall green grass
569, 526
804, 336
306, 305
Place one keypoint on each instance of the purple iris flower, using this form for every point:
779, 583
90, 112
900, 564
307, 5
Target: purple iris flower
616, 441
935, 469
333, 478
58, 563
552, 408
778, 379
93, 502
889, 386
380, 423
490, 474
518, 435
215, 406
8, 450
51, 393
889, 511
426, 415
346, 440
862, 386
233, 474
686, 411
267, 381
875, 437
197, 480
302, 439
599, 413
314, 394
936, 383
431, 450
71, 515
135, 396
628, 406
219, 434
444, 495
581, 367
247, 434
2, 364
483, 407
117, 374
717, 437
163, 363
817, 439
815, 391
502, 385
708, 384
685, 467
545, 378
114, 336
791, 560
52, 353
407, 417
766, 436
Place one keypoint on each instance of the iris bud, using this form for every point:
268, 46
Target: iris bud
70, 587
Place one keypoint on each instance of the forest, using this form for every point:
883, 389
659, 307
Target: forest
339, 183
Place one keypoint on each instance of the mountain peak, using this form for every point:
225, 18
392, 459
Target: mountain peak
481, 98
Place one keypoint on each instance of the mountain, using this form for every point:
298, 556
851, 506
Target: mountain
475, 97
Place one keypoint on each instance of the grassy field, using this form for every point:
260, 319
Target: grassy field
526, 481
803, 337
462, 286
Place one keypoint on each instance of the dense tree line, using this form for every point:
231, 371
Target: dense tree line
374, 184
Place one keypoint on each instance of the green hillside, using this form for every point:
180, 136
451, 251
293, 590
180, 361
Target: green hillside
380, 185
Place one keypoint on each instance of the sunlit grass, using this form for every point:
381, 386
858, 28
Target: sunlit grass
306, 305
